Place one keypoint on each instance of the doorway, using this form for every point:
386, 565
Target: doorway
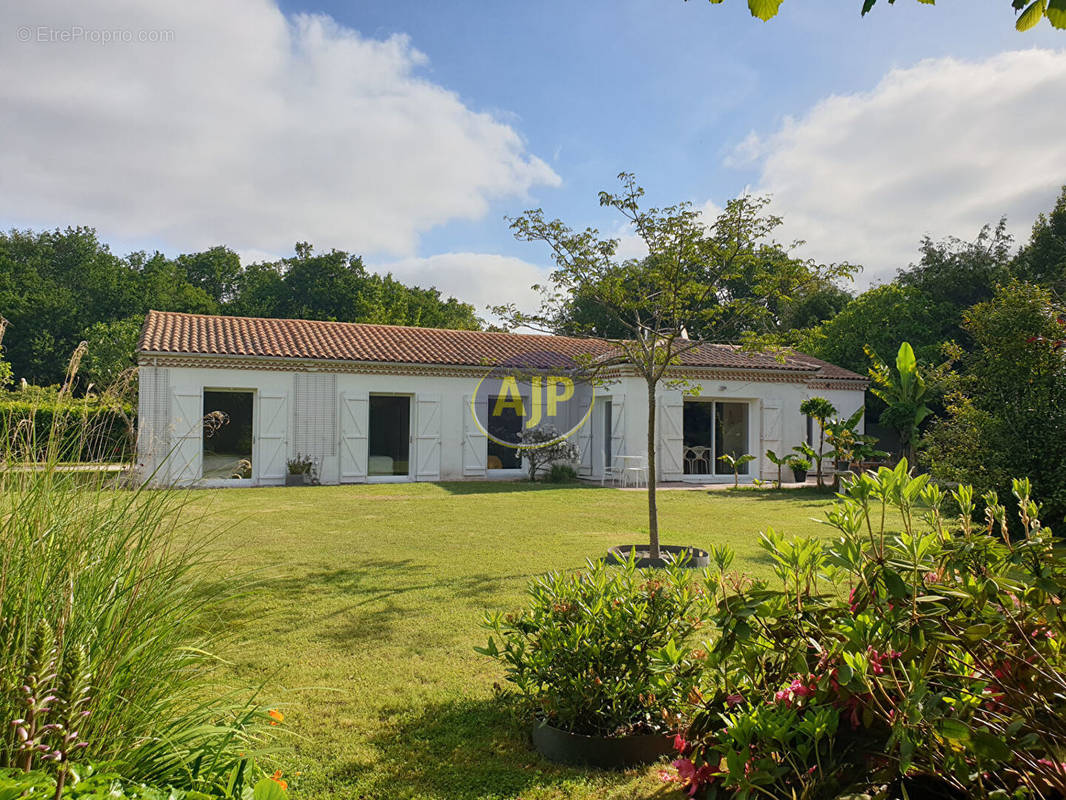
228, 421
711, 429
389, 436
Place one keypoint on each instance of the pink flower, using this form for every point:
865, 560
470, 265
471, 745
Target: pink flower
680, 745
686, 770
734, 699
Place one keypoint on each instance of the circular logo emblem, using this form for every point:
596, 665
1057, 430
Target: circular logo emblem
533, 400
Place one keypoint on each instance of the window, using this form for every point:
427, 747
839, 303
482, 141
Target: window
505, 426
710, 429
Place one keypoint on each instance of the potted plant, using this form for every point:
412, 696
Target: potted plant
600, 661
799, 466
299, 471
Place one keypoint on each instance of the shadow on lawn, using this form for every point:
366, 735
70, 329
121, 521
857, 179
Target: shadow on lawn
461, 750
351, 605
505, 487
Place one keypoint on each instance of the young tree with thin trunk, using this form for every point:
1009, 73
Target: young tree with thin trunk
694, 274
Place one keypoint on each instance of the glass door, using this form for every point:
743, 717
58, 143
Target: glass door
710, 429
389, 436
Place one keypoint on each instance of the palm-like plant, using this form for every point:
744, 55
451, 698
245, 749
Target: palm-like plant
735, 463
821, 411
781, 462
905, 392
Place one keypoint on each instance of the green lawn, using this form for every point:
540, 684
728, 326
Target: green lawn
366, 606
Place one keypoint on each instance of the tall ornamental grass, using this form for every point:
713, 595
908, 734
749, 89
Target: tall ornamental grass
106, 569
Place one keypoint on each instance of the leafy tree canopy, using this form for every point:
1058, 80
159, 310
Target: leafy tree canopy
61, 287
1030, 12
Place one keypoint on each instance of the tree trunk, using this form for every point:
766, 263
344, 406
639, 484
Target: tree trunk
653, 512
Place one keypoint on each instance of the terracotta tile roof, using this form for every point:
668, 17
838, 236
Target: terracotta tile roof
172, 333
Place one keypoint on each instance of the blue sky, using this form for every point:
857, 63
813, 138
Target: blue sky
256, 125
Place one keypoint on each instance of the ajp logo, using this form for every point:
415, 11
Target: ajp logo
531, 391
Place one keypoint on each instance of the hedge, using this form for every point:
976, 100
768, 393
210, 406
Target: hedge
87, 430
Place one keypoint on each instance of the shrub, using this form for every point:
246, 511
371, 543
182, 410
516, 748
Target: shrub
92, 429
543, 446
98, 582
914, 647
562, 473
605, 651
106, 784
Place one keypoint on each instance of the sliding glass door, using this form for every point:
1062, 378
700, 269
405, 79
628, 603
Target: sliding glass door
711, 429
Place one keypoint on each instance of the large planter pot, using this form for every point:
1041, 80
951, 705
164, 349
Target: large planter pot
800, 475
697, 558
605, 752
297, 480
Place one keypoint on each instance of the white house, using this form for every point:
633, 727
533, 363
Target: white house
229, 400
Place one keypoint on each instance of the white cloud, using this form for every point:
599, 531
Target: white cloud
242, 126
482, 279
940, 148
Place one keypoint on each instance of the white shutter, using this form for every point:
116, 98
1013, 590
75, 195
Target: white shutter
770, 437
427, 442
584, 440
670, 457
273, 424
475, 442
355, 410
185, 464
153, 423
618, 427
314, 417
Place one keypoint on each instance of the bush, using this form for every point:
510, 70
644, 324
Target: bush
99, 589
605, 651
106, 784
79, 430
925, 649
562, 473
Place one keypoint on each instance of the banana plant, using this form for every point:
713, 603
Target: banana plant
735, 463
905, 392
781, 462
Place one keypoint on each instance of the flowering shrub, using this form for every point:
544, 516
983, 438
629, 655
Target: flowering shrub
918, 645
605, 651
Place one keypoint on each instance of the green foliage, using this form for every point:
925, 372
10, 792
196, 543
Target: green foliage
543, 446
735, 462
705, 278
1043, 259
106, 783
87, 429
905, 393
111, 350
931, 646
101, 600
562, 473
780, 461
1032, 11
60, 287
821, 411
1007, 416
604, 651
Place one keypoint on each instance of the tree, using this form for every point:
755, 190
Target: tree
684, 283
112, 348
1043, 259
821, 411
1007, 417
1032, 11
905, 393
544, 446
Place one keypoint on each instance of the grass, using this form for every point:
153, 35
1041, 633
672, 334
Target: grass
366, 604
